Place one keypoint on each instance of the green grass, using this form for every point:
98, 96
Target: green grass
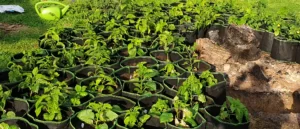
291, 5
26, 39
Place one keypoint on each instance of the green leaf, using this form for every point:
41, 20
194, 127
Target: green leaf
86, 116
102, 126
191, 121
143, 119
130, 16
166, 117
201, 98
116, 108
35, 71
111, 115
77, 88
151, 85
140, 52
10, 114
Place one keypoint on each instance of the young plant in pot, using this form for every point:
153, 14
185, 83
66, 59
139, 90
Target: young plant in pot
133, 61
47, 111
155, 104
168, 70
69, 59
182, 116
192, 64
32, 85
12, 76
11, 107
47, 62
208, 79
231, 115
133, 49
129, 19
98, 56
141, 83
143, 73
78, 96
38, 53
117, 37
191, 91
4, 95
102, 84
52, 40
96, 116
142, 25
92, 70
16, 123
28, 61
134, 118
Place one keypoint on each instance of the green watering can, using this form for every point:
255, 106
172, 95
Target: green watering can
51, 12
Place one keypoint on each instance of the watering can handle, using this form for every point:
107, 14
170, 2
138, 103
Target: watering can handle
47, 2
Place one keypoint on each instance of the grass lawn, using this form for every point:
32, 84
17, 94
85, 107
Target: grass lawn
26, 38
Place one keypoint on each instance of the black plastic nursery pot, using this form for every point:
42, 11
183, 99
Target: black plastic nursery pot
172, 85
5, 79
128, 90
79, 40
25, 94
161, 77
123, 52
298, 53
171, 88
125, 73
117, 91
216, 92
114, 62
91, 70
19, 106
83, 100
201, 32
64, 75
201, 122
148, 101
210, 113
78, 124
67, 113
162, 56
20, 122
151, 123
284, 50
199, 66
18, 57
190, 36
266, 42
220, 29
48, 47
150, 61
122, 102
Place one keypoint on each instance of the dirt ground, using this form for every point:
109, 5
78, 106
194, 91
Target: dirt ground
269, 88
10, 28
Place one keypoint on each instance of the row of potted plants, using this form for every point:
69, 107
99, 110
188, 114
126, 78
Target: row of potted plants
92, 113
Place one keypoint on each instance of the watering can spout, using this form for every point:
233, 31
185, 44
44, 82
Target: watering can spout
65, 9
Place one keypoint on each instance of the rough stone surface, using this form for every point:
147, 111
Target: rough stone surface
270, 89
242, 43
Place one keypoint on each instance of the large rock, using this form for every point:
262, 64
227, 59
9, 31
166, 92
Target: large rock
270, 89
242, 43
